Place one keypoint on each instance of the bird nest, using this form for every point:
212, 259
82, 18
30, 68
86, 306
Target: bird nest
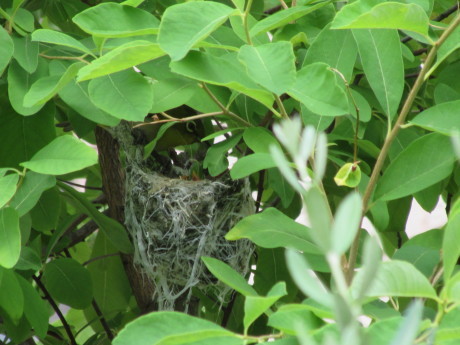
174, 222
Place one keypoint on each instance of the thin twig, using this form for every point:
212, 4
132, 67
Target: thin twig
101, 257
260, 189
80, 185
56, 309
102, 320
394, 132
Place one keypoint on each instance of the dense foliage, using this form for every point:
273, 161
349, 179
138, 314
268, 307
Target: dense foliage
344, 109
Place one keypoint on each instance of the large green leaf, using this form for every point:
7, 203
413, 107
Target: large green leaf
254, 306
423, 163
6, 49
259, 139
115, 20
396, 279
365, 14
184, 25
11, 298
288, 316
272, 229
171, 93
63, 155
45, 215
270, 65
10, 237
123, 57
442, 118
316, 87
451, 245
380, 52
250, 164
30, 191
75, 95
68, 282
337, 48
229, 276
126, 95
59, 38
223, 70
7, 187
26, 53
284, 17
170, 328
451, 44
114, 231
46, 88
19, 83
35, 309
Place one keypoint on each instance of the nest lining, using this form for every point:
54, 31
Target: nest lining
173, 222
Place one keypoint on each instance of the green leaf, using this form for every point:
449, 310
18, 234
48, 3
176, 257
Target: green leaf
254, 306
272, 229
289, 315
30, 191
451, 245
409, 327
114, 231
59, 38
347, 221
451, 44
387, 15
63, 155
224, 71
123, 57
270, 65
46, 88
35, 308
320, 217
216, 161
126, 95
19, 83
284, 17
7, 187
423, 163
45, 215
349, 175
442, 118
306, 279
184, 25
171, 93
115, 20
68, 282
29, 260
11, 298
259, 139
10, 237
169, 328
323, 95
371, 259
337, 48
229, 276
250, 164
75, 95
112, 291
26, 53
396, 278
381, 57
6, 49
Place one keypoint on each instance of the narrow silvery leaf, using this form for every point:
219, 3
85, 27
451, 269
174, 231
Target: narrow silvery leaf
306, 280
283, 165
320, 157
346, 223
372, 254
408, 328
319, 214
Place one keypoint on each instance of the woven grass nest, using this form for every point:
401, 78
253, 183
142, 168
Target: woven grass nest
174, 222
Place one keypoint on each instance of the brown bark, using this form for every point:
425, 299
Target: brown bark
113, 186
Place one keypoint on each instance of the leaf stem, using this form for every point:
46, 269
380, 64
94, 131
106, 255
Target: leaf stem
245, 21
394, 132
79, 58
280, 104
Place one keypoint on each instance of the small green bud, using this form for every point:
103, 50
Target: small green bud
348, 175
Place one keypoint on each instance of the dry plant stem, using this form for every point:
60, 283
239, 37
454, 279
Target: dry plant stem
56, 309
392, 135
